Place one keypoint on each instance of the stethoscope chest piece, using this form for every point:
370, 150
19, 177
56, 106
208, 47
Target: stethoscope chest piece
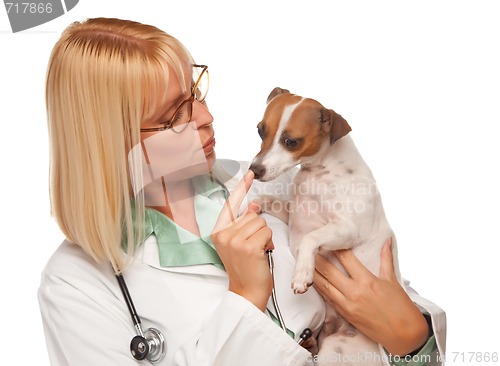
151, 346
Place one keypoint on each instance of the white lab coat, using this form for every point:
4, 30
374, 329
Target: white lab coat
86, 320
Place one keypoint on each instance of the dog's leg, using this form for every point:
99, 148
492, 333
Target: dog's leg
335, 235
273, 206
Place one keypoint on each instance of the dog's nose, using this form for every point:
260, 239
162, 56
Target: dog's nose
258, 170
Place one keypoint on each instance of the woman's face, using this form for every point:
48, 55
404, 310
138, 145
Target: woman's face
179, 155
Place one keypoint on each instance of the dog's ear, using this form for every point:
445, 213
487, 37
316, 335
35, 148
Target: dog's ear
275, 92
335, 124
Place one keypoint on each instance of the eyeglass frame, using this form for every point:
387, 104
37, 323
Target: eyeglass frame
191, 99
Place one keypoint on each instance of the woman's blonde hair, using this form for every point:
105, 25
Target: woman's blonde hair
105, 77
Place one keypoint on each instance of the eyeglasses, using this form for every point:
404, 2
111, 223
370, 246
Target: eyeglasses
182, 115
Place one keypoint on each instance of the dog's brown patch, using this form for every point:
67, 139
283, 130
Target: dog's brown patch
272, 117
305, 124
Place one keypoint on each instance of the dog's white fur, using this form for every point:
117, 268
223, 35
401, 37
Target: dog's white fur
335, 205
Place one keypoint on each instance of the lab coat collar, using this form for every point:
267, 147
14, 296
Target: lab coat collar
148, 253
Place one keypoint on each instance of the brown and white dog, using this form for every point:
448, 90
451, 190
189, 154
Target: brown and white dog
334, 205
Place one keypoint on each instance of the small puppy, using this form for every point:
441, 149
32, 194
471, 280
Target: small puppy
335, 205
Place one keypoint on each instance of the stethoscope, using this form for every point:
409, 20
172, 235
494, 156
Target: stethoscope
306, 333
150, 344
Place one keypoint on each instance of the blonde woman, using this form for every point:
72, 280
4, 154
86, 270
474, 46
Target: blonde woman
139, 194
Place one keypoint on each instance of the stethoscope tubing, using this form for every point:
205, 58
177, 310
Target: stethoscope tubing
273, 292
130, 304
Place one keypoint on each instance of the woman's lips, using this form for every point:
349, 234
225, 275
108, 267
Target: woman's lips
208, 148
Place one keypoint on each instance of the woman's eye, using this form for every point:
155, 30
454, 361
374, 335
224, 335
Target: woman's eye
177, 117
290, 143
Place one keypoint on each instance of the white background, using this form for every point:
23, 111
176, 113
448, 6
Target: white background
419, 83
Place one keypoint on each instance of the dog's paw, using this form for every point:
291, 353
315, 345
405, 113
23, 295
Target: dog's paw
300, 287
301, 282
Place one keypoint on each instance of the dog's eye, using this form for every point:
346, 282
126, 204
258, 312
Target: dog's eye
290, 143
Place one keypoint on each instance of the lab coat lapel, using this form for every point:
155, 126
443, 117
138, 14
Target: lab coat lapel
148, 254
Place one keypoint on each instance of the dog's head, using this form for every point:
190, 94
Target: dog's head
293, 128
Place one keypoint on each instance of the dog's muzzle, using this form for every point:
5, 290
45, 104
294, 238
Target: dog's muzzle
258, 169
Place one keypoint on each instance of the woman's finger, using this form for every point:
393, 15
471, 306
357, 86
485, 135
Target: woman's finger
387, 261
264, 236
254, 207
331, 274
352, 264
230, 210
246, 226
327, 290
253, 227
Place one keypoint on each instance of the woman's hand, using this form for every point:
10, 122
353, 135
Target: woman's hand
377, 306
241, 243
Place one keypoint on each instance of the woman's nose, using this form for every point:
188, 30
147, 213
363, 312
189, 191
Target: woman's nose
201, 115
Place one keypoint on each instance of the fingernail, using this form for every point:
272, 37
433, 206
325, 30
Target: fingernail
253, 207
271, 247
